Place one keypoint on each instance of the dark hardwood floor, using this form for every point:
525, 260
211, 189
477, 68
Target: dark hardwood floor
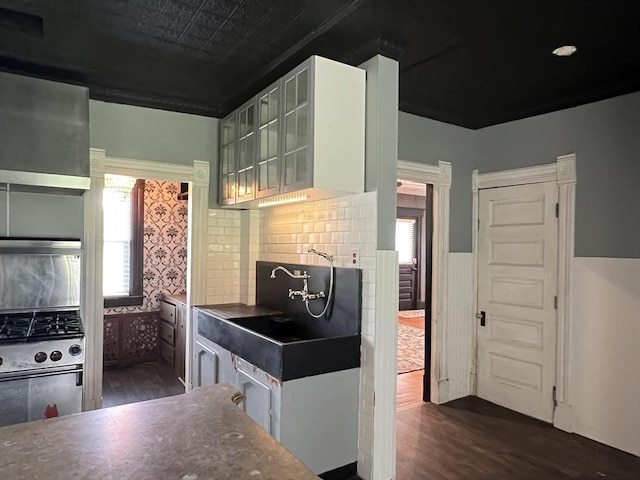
139, 382
471, 439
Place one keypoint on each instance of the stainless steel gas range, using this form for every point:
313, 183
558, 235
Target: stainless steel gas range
41, 333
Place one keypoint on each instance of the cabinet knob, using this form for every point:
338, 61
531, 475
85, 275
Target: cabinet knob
237, 398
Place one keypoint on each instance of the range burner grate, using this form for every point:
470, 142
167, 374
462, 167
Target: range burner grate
54, 325
14, 328
38, 326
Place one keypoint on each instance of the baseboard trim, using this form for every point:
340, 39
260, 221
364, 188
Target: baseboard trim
346, 472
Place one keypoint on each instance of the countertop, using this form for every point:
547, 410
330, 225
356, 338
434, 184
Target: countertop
176, 297
199, 435
237, 310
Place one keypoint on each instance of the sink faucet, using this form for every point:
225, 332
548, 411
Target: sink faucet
304, 293
304, 275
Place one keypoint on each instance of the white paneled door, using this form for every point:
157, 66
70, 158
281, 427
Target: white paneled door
517, 288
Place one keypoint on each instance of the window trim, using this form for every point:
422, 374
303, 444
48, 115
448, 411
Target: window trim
136, 293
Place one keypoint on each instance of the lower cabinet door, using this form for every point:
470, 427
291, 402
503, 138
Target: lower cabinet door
167, 353
205, 368
257, 399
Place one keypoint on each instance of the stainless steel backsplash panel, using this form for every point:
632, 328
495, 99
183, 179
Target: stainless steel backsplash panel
38, 274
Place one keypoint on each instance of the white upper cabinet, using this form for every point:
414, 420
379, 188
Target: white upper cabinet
227, 168
246, 152
325, 127
269, 145
307, 136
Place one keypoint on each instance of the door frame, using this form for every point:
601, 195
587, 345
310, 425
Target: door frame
92, 300
440, 177
563, 173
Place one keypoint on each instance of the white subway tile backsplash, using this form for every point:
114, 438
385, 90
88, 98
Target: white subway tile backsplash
325, 238
352, 237
337, 238
223, 256
359, 224
344, 225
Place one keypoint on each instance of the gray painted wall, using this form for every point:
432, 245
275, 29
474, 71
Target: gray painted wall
428, 141
605, 136
157, 135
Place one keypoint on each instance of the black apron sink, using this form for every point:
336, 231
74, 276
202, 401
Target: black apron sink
286, 348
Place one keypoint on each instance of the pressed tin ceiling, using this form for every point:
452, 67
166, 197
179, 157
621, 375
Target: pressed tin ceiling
468, 63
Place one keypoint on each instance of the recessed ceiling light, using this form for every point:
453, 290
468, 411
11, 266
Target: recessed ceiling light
565, 51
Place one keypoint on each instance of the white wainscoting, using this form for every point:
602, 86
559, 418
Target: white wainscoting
460, 333
605, 360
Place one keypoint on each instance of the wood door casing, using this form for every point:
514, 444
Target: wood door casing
517, 288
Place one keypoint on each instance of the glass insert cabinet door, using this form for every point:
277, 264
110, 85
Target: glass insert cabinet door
296, 161
268, 158
228, 160
246, 152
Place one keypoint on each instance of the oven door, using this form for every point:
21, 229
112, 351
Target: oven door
39, 394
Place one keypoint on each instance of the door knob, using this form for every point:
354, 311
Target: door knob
482, 317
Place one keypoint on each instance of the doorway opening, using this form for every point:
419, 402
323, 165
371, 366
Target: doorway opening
414, 244
145, 289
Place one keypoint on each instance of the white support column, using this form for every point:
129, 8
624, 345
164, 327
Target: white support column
385, 355
376, 453
92, 300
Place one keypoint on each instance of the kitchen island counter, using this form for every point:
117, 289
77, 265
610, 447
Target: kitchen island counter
199, 435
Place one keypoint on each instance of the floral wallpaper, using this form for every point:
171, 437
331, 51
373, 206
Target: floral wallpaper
165, 245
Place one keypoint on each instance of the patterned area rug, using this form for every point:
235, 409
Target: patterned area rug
411, 313
410, 349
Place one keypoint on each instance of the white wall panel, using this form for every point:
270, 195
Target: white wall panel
460, 329
605, 346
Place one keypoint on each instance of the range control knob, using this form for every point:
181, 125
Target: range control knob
56, 355
40, 357
75, 350
1, 360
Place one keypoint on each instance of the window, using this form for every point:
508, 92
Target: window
406, 239
123, 205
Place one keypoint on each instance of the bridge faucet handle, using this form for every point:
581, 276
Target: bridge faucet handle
291, 293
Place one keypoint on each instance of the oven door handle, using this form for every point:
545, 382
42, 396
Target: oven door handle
42, 372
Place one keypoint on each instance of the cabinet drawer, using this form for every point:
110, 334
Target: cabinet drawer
167, 353
168, 312
167, 333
